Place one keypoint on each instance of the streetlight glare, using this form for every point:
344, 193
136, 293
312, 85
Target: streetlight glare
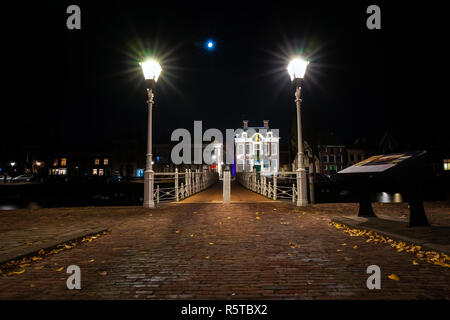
151, 69
297, 68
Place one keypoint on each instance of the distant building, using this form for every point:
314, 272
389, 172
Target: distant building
257, 148
332, 158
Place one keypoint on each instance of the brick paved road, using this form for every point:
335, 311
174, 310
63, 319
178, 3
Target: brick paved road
215, 251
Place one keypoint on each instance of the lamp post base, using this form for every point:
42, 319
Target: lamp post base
148, 189
302, 199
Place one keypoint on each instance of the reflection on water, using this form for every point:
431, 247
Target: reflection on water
389, 197
8, 207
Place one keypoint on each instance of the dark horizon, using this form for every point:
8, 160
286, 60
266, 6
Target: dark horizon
84, 86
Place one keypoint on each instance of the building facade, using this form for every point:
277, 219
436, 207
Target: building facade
257, 148
332, 158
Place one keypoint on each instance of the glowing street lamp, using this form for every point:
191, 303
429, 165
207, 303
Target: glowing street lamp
151, 70
297, 69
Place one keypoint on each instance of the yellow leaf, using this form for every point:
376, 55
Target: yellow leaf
24, 265
192, 235
257, 218
178, 231
41, 252
339, 250
16, 272
211, 243
394, 277
415, 262
68, 247
90, 261
60, 269
355, 247
36, 258
228, 217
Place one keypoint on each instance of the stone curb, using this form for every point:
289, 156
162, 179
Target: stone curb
394, 236
25, 251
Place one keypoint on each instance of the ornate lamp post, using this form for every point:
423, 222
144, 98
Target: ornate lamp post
296, 69
151, 70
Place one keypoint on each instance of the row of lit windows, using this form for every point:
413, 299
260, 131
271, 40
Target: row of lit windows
63, 162
98, 172
332, 159
248, 148
97, 161
249, 166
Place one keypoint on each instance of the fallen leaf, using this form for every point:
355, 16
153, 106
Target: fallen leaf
36, 258
394, 277
60, 269
415, 262
347, 258
211, 243
228, 217
355, 247
41, 252
32, 285
103, 273
257, 218
192, 235
207, 257
178, 231
90, 261
16, 272
68, 247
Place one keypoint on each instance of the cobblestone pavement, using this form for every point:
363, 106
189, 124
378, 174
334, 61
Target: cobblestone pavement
260, 250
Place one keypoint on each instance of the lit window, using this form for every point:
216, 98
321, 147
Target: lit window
139, 172
63, 162
55, 163
249, 165
105, 161
94, 172
100, 172
274, 149
97, 161
446, 164
274, 165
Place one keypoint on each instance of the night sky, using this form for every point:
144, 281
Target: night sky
85, 86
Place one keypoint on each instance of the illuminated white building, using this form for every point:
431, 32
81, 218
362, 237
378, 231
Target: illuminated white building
257, 147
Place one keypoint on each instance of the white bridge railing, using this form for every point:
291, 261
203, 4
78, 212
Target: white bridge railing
176, 186
282, 185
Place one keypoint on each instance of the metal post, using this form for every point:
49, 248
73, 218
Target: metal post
301, 172
311, 188
226, 186
177, 196
274, 186
293, 192
149, 174
157, 194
